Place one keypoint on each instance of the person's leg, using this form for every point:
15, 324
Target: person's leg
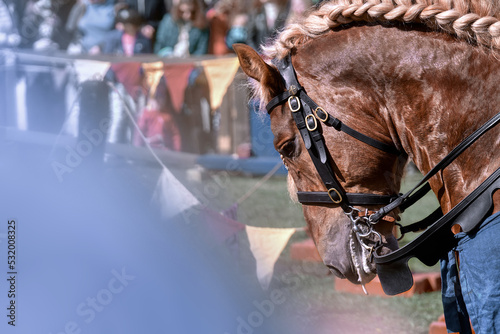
480, 275
455, 312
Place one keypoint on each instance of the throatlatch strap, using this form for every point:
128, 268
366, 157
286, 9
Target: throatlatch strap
329, 120
361, 137
339, 126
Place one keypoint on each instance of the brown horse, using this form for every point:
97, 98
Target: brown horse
415, 75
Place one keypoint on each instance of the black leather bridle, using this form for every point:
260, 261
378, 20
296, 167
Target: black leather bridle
307, 115
392, 269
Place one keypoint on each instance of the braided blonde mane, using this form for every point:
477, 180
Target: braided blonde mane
477, 21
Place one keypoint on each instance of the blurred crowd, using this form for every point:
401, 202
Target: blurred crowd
168, 28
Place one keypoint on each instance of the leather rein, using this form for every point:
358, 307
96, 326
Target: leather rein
306, 114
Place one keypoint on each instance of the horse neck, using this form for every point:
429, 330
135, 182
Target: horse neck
425, 91
439, 92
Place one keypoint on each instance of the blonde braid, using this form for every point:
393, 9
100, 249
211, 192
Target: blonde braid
476, 20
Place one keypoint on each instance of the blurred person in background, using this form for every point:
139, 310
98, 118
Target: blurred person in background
184, 31
9, 36
40, 23
152, 11
39, 27
237, 33
130, 40
158, 122
263, 21
198, 120
297, 9
90, 22
219, 18
62, 9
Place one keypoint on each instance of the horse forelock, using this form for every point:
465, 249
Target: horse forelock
477, 21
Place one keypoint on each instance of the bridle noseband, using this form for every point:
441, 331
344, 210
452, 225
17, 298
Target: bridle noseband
308, 117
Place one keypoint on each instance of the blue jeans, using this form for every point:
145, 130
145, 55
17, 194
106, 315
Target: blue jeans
472, 289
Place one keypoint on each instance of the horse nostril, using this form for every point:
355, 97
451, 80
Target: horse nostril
335, 271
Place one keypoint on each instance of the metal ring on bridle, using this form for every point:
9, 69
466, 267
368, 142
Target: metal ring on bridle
362, 227
360, 232
315, 122
338, 194
290, 105
363, 236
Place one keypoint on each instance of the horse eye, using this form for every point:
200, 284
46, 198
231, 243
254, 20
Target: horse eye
287, 149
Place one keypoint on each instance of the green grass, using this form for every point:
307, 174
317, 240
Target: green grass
270, 206
367, 313
422, 208
415, 213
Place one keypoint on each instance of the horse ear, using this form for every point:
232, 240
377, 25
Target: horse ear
253, 65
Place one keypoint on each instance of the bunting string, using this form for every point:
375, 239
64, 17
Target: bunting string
266, 243
259, 184
172, 195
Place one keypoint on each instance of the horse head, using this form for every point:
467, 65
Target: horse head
395, 84
359, 167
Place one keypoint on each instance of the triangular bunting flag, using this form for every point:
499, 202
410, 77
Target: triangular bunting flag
129, 74
220, 73
172, 196
90, 69
177, 76
266, 245
153, 73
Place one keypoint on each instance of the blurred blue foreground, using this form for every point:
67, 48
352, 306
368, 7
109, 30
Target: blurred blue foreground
93, 256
